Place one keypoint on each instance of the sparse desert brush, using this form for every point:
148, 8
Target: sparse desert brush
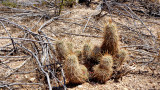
75, 72
158, 41
103, 71
43, 3
9, 3
65, 3
158, 35
69, 2
120, 58
159, 55
111, 38
155, 1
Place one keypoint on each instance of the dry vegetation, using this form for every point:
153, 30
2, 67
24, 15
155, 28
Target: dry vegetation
48, 44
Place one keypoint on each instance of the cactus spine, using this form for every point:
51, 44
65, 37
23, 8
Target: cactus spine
120, 58
91, 56
96, 54
78, 53
69, 47
86, 51
103, 71
75, 72
110, 43
61, 50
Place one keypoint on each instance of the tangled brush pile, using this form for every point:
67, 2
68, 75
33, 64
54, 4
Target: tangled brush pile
98, 62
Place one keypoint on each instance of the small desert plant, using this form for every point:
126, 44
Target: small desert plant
110, 43
42, 3
69, 2
104, 61
75, 72
153, 1
103, 71
64, 3
9, 3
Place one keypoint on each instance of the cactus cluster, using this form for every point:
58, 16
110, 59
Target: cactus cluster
93, 62
74, 71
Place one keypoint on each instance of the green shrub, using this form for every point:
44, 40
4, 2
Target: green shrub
65, 3
9, 3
